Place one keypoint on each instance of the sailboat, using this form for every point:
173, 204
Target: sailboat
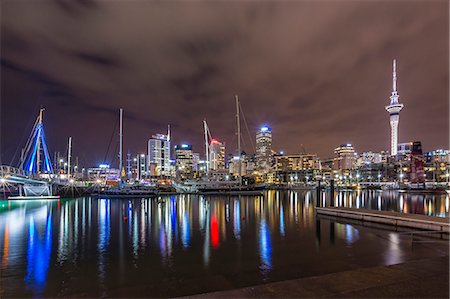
122, 190
208, 186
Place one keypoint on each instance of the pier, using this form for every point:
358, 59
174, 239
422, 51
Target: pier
387, 217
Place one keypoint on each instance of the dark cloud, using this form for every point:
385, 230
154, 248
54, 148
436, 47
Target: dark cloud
318, 72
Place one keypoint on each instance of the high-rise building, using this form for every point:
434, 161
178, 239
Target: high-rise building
264, 149
159, 153
394, 109
140, 162
183, 166
345, 157
404, 149
195, 161
216, 155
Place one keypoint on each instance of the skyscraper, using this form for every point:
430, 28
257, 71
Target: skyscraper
183, 154
159, 153
264, 149
216, 155
394, 110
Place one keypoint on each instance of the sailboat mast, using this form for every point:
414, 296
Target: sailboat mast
69, 156
205, 127
238, 139
120, 144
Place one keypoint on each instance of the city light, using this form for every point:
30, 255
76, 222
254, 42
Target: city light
270, 189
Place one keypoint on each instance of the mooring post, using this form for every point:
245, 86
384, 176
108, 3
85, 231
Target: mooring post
318, 195
331, 193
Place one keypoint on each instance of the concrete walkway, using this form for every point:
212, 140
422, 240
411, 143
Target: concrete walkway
390, 218
427, 278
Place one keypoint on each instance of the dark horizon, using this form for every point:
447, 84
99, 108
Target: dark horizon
318, 73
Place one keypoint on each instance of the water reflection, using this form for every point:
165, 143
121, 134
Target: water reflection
100, 244
38, 251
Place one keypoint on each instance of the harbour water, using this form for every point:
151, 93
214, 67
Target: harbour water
189, 244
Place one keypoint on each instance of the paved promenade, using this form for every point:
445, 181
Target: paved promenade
426, 278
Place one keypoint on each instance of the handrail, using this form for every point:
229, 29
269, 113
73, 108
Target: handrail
9, 170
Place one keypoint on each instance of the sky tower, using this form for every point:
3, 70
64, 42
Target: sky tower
394, 110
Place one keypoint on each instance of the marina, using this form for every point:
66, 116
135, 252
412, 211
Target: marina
179, 245
213, 149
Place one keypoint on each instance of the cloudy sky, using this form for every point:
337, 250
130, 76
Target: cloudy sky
317, 72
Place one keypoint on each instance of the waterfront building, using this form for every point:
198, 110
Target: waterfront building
183, 157
202, 166
264, 149
142, 167
196, 162
369, 157
216, 155
152, 169
438, 155
404, 149
295, 168
250, 164
437, 165
159, 153
394, 109
417, 174
103, 173
134, 168
233, 165
296, 162
345, 157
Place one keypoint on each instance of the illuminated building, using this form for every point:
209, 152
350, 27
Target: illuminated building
296, 162
264, 149
438, 155
417, 173
404, 149
183, 166
141, 166
216, 155
394, 109
159, 153
366, 158
294, 168
233, 165
103, 172
345, 157
195, 161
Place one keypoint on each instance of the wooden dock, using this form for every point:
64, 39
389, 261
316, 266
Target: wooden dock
391, 218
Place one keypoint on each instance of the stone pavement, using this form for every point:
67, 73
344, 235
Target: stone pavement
425, 278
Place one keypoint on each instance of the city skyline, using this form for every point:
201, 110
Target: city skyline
315, 106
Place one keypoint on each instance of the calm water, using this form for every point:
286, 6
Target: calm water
180, 245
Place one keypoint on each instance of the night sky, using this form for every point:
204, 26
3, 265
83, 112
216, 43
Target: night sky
318, 73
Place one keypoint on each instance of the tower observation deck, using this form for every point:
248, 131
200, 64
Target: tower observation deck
394, 109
